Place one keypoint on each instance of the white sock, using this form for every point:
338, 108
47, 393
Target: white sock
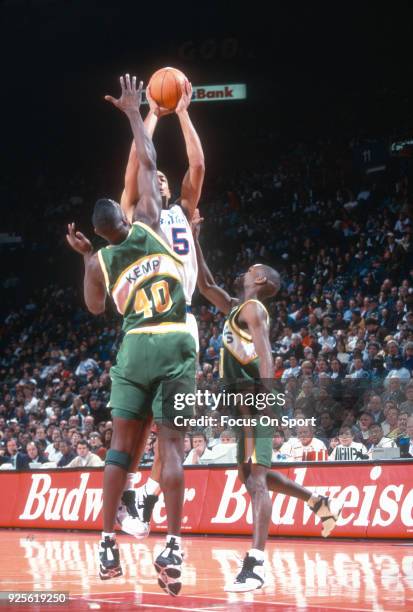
129, 482
152, 487
313, 499
257, 554
112, 536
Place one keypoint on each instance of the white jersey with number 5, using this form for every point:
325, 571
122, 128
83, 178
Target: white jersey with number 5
178, 234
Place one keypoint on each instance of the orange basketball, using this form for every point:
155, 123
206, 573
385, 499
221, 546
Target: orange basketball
165, 87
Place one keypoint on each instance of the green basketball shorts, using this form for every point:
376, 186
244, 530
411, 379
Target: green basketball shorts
150, 370
255, 444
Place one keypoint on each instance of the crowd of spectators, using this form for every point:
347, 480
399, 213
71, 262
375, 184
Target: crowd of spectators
341, 325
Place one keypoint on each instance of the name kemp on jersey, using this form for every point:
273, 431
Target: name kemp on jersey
138, 273
151, 266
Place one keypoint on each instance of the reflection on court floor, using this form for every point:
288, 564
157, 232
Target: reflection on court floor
301, 574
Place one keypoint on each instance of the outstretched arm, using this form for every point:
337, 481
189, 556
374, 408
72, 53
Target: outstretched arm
94, 290
207, 286
194, 177
130, 194
149, 206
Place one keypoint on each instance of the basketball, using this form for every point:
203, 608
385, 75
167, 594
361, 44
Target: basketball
165, 87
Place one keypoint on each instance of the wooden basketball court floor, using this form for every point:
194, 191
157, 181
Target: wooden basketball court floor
302, 574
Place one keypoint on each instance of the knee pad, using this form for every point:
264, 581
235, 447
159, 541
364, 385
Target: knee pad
119, 458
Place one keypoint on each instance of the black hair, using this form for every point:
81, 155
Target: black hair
42, 445
365, 412
327, 412
198, 434
106, 215
83, 443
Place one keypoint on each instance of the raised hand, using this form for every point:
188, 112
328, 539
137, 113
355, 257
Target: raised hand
78, 241
186, 97
157, 110
131, 98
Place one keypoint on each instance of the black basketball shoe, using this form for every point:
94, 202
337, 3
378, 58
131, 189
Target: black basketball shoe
250, 578
169, 567
109, 559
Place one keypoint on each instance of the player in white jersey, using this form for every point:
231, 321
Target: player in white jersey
176, 227
137, 504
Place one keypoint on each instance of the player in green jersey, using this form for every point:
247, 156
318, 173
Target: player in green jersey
156, 359
137, 504
246, 362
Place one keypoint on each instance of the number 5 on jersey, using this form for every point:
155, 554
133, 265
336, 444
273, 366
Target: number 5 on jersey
160, 299
180, 244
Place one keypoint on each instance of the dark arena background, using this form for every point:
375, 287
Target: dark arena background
304, 112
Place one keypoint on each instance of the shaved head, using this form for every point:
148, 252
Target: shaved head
109, 220
273, 280
106, 215
261, 280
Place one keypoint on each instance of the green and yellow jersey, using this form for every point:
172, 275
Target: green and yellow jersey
238, 359
143, 277
239, 370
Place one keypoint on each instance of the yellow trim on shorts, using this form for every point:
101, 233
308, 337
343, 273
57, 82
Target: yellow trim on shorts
254, 456
221, 362
240, 361
162, 328
160, 240
249, 441
104, 270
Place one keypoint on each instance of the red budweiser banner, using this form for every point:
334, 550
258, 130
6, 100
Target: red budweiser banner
378, 500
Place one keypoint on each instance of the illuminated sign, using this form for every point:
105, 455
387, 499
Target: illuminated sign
402, 148
218, 93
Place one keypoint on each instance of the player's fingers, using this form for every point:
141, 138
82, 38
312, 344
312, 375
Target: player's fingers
134, 84
148, 93
122, 84
112, 100
140, 86
128, 85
